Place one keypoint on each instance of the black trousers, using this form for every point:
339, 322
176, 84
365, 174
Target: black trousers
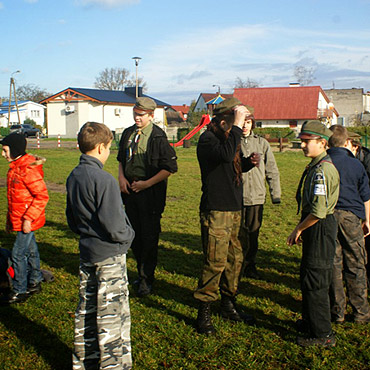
316, 275
146, 223
251, 224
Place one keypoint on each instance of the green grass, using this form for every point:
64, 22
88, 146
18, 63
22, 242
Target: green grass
39, 333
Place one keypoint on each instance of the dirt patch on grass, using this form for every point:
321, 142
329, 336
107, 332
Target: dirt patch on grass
57, 188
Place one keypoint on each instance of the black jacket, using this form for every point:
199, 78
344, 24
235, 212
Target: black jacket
220, 190
159, 156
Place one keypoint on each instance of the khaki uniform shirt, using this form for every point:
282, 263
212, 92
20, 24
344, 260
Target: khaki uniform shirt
136, 167
321, 187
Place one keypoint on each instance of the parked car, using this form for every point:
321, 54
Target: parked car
25, 129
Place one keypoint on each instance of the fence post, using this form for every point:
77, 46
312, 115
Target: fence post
58, 141
38, 140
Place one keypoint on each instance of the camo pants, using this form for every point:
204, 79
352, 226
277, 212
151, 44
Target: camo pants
222, 255
102, 322
349, 265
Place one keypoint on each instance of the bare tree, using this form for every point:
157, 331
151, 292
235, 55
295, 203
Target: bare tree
31, 92
240, 83
116, 79
304, 75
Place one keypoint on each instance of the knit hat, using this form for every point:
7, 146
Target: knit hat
17, 144
145, 104
314, 130
226, 107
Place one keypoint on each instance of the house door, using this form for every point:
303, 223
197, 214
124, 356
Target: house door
72, 122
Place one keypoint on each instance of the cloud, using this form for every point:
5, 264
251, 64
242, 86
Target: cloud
31, 1
1, 5
195, 60
107, 3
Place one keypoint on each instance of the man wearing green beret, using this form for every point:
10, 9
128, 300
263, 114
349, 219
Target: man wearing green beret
221, 167
146, 160
317, 230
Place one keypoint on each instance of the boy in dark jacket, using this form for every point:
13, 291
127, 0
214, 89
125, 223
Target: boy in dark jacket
146, 160
352, 214
95, 212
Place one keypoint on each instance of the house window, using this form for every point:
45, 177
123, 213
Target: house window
259, 124
293, 124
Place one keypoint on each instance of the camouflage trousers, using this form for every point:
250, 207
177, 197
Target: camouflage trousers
102, 322
349, 264
222, 255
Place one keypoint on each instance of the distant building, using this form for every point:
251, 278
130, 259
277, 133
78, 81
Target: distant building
353, 105
27, 109
71, 108
288, 106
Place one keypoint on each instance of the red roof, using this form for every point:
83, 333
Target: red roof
184, 109
282, 103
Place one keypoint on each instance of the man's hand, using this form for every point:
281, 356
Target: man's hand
255, 159
294, 237
240, 112
137, 186
124, 185
366, 228
26, 226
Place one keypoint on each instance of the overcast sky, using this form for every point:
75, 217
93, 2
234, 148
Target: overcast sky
186, 46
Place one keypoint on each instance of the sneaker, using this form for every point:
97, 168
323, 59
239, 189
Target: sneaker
337, 319
33, 289
362, 320
13, 298
328, 341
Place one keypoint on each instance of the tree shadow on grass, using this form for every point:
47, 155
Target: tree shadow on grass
47, 345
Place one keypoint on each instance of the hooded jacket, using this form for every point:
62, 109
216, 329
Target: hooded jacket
27, 192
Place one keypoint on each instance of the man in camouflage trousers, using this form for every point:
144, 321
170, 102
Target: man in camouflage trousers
221, 168
95, 212
352, 214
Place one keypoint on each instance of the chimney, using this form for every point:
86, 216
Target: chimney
294, 84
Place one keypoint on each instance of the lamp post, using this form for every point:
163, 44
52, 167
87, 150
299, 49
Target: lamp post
218, 88
12, 84
136, 59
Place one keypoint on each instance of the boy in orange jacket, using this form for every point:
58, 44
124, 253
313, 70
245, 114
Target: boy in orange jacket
27, 198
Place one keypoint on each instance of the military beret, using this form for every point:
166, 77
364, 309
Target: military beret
314, 130
226, 107
145, 104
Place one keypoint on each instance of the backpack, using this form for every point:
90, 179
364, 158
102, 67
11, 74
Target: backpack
6, 270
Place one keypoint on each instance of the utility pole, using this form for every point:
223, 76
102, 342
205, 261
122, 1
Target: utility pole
12, 84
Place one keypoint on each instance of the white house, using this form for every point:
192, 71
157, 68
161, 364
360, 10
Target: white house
26, 108
70, 109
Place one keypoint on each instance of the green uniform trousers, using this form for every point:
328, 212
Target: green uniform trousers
223, 255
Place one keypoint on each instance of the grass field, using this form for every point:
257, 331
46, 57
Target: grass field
39, 333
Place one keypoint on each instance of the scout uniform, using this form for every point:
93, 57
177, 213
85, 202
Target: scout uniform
143, 153
319, 197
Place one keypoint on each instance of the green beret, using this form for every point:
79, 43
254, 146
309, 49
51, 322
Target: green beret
226, 107
314, 130
145, 104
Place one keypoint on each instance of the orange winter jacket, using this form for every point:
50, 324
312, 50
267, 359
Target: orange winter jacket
27, 192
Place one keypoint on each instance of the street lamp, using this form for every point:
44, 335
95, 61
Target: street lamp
136, 59
218, 88
12, 84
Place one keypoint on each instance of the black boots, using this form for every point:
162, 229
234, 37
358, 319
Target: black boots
229, 311
204, 322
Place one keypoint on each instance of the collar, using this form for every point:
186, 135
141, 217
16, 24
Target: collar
317, 159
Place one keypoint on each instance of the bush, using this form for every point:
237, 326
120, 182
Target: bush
4, 131
276, 132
